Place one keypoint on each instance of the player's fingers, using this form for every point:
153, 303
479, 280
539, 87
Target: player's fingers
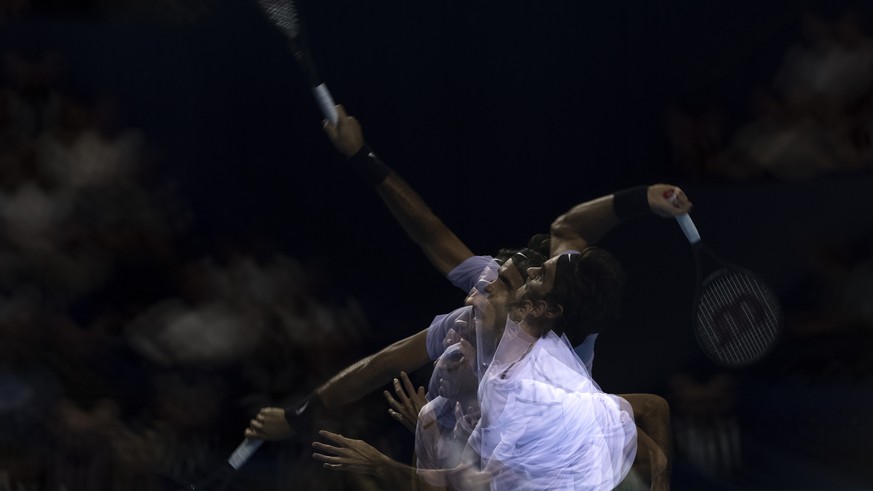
330, 449
329, 129
392, 402
256, 425
334, 437
451, 337
341, 112
466, 346
272, 411
328, 458
400, 393
688, 203
410, 389
400, 419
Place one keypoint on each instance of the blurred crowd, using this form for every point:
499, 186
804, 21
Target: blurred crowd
799, 417
815, 118
801, 412
130, 360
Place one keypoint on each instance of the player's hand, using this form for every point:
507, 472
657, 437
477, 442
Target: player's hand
451, 338
348, 455
408, 404
346, 135
668, 201
466, 476
269, 424
465, 422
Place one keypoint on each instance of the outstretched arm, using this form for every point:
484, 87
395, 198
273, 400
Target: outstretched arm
374, 371
441, 246
349, 385
587, 223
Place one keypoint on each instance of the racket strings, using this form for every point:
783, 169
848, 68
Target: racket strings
283, 14
735, 320
743, 332
737, 317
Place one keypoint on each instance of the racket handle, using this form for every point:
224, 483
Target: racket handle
243, 452
325, 103
688, 228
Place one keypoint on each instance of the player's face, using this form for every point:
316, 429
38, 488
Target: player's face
492, 304
508, 280
456, 378
540, 281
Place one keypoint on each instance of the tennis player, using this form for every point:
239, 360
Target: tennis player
582, 225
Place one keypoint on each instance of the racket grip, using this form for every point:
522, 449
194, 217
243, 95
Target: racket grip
325, 103
688, 228
243, 452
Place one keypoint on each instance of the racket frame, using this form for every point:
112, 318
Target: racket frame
285, 17
704, 335
723, 267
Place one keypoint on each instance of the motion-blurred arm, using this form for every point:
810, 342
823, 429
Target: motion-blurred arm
441, 246
587, 223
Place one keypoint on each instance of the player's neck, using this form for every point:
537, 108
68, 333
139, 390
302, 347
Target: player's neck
535, 327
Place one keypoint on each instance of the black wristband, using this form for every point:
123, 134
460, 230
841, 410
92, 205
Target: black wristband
369, 165
302, 409
631, 203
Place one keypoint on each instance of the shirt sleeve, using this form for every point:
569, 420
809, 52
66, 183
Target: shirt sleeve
466, 274
585, 351
458, 319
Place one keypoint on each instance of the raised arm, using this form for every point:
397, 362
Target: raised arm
587, 223
441, 246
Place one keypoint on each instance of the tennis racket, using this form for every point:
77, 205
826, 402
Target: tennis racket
220, 479
284, 15
737, 317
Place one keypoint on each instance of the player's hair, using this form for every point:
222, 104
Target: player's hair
588, 286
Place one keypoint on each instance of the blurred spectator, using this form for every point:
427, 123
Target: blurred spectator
829, 71
829, 320
837, 294
33, 103
705, 425
122, 363
817, 119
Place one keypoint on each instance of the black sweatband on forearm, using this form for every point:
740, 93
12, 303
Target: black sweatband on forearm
369, 165
631, 203
302, 409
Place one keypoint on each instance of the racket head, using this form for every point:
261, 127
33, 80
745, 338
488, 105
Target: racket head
737, 317
283, 14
